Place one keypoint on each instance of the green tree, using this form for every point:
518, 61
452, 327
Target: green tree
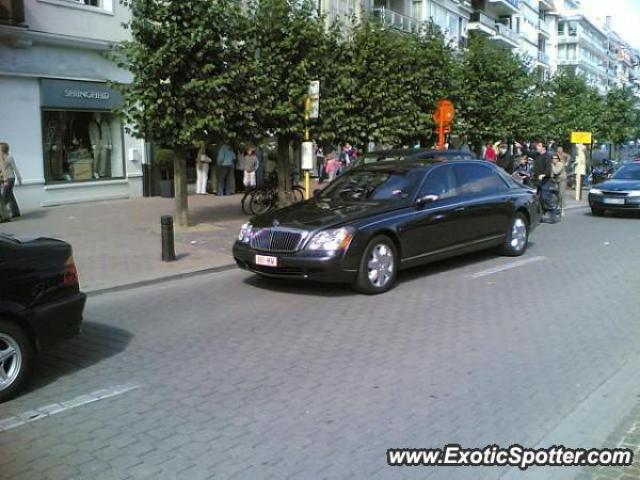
575, 106
619, 121
287, 40
493, 83
190, 81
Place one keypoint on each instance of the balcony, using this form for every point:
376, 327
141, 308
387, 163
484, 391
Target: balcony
506, 36
482, 23
392, 19
505, 7
12, 12
543, 30
546, 5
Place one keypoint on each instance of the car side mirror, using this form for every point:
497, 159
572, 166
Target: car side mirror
426, 199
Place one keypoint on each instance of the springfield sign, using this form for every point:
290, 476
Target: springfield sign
87, 94
78, 95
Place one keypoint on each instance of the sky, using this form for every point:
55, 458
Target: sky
625, 16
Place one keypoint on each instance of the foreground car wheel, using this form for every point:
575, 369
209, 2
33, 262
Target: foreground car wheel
517, 237
15, 354
378, 266
597, 212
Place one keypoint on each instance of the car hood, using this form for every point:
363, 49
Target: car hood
317, 213
614, 185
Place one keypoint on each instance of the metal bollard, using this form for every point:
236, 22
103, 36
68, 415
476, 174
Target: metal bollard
166, 231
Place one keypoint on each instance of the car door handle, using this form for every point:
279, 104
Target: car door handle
460, 209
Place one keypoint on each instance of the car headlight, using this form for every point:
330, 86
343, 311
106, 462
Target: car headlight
634, 193
245, 233
331, 240
595, 191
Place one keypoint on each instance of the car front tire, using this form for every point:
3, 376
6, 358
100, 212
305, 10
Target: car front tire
378, 266
597, 212
517, 238
15, 357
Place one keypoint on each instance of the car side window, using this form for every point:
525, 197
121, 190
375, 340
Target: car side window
478, 178
441, 181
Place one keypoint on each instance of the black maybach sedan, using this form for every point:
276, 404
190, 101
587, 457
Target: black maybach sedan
386, 216
40, 303
620, 192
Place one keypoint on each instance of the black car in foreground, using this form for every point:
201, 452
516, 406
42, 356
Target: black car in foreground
377, 219
620, 192
40, 303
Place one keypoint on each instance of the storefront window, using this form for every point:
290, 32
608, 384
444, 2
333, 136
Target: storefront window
81, 146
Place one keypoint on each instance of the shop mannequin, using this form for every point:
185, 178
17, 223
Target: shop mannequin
101, 144
55, 145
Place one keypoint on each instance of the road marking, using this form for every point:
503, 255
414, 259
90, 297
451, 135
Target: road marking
508, 266
55, 408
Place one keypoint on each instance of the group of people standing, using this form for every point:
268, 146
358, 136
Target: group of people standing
242, 166
330, 166
9, 174
533, 163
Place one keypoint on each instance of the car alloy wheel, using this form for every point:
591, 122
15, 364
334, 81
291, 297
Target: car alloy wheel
378, 266
15, 354
10, 361
381, 265
517, 236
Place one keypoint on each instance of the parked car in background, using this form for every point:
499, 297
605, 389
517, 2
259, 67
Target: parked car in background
620, 192
40, 303
382, 217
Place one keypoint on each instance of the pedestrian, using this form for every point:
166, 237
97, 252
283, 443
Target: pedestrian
320, 163
559, 175
541, 163
9, 174
490, 153
522, 171
203, 161
332, 166
505, 159
226, 159
239, 171
251, 165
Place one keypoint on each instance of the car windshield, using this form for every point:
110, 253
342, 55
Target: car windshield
363, 185
628, 172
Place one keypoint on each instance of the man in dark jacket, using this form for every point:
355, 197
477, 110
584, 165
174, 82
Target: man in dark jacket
542, 163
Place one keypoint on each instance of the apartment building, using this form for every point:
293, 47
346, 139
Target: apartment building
56, 108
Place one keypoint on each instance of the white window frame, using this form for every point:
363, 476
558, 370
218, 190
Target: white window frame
106, 7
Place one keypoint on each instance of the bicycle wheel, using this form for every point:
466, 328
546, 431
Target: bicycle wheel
298, 193
245, 203
261, 202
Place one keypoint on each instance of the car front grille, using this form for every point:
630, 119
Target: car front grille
609, 193
277, 239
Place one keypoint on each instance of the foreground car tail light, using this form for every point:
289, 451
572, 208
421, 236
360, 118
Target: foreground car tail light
70, 273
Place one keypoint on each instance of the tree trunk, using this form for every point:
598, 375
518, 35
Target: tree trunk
284, 175
180, 182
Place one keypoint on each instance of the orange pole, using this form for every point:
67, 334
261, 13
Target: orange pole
441, 134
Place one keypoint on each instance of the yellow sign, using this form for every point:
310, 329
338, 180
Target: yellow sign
581, 137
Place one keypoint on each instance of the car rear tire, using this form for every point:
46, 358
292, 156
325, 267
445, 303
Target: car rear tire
15, 357
597, 212
517, 238
378, 266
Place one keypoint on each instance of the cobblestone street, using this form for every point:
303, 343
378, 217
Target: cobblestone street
229, 376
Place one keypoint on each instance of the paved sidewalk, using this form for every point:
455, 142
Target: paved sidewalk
118, 242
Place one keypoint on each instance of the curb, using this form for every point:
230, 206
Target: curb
155, 281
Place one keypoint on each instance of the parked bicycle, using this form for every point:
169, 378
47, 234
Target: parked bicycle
265, 197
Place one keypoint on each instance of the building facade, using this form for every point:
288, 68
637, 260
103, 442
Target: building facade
57, 104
